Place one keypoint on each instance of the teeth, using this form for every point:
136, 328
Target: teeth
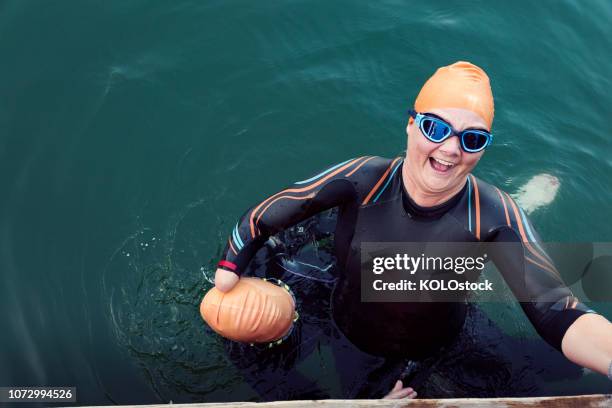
449, 164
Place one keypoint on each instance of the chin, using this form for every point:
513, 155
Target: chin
437, 188
440, 184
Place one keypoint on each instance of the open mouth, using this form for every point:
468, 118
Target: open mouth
441, 166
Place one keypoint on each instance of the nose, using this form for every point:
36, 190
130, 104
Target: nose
451, 146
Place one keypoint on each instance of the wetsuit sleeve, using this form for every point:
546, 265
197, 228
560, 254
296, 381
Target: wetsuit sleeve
531, 275
330, 188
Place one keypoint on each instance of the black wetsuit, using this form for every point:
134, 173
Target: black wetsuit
373, 206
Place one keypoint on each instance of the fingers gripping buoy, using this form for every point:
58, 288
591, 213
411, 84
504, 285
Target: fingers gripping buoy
253, 311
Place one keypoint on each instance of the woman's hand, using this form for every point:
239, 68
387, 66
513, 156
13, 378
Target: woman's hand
588, 342
225, 280
398, 392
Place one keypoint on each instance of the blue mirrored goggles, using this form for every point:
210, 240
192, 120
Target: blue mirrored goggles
437, 130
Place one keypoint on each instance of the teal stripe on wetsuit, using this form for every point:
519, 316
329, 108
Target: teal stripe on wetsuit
323, 173
397, 166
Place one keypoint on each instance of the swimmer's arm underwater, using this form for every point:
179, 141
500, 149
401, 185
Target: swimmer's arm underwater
583, 336
335, 186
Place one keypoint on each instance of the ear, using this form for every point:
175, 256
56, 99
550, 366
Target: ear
410, 122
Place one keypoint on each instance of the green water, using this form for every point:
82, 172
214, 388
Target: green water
134, 133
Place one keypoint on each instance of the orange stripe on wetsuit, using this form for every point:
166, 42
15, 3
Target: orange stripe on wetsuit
505, 207
296, 190
379, 182
542, 266
519, 222
229, 241
477, 201
360, 164
311, 195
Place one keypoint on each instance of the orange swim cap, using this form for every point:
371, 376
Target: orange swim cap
253, 311
460, 85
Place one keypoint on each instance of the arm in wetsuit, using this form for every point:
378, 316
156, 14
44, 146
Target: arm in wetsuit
343, 184
526, 267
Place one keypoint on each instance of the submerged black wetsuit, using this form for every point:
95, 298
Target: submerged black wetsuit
375, 207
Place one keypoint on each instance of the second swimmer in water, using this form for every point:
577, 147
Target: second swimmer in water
429, 195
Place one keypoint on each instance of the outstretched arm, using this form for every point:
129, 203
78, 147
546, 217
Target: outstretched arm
582, 335
330, 188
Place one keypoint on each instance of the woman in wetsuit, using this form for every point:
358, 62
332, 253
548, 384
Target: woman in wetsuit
429, 196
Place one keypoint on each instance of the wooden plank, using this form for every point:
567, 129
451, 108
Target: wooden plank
577, 401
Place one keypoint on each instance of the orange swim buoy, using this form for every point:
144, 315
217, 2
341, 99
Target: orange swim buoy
253, 311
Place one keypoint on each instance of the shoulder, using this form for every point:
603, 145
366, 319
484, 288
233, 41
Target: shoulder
374, 166
355, 169
373, 172
490, 198
498, 210
492, 206
363, 174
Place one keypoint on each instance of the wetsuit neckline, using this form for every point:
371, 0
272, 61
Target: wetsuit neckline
436, 211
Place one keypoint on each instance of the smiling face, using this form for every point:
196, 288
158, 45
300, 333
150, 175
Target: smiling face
434, 172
